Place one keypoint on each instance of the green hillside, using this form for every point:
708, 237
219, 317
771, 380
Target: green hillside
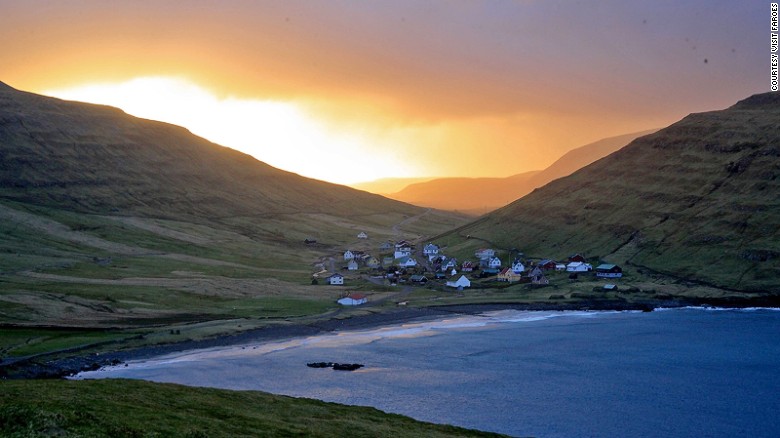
48, 408
699, 201
111, 221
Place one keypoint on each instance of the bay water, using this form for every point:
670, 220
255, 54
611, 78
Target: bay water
672, 373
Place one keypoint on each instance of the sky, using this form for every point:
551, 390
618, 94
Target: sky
355, 90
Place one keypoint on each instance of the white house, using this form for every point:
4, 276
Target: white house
459, 282
352, 265
430, 250
578, 267
494, 263
353, 300
335, 279
403, 251
387, 246
349, 255
560, 267
485, 253
450, 264
406, 262
518, 267
362, 235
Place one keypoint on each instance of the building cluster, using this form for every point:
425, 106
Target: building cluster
401, 262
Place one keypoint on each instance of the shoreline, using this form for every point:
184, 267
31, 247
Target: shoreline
39, 368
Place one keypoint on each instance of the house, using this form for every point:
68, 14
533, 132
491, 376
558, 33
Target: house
537, 276
362, 235
335, 279
349, 255
402, 251
607, 270
494, 263
467, 266
508, 275
548, 265
578, 267
449, 264
518, 267
430, 250
388, 261
406, 262
610, 287
560, 266
385, 247
371, 261
352, 265
485, 253
440, 275
576, 258
353, 300
459, 282
420, 279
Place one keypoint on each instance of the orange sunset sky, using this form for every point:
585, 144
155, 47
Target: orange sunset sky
354, 90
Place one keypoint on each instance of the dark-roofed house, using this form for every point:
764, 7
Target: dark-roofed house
608, 270
421, 279
335, 279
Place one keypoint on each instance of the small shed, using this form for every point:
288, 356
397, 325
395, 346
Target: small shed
362, 235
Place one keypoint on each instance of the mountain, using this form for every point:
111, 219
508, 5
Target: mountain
698, 200
481, 195
384, 186
466, 195
97, 159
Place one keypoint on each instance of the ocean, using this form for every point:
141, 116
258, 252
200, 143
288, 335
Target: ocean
672, 373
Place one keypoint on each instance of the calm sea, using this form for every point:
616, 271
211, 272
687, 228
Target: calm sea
670, 373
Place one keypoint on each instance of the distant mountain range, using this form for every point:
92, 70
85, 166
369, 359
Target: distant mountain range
698, 200
384, 186
481, 195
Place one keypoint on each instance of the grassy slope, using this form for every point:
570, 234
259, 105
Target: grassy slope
109, 221
89, 408
697, 200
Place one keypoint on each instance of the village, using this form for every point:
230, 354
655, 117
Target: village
409, 265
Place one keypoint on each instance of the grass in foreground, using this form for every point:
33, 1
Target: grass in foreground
128, 408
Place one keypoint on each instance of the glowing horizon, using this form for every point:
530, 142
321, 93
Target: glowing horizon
278, 133
356, 91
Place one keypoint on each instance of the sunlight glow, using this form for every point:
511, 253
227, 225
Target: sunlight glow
278, 133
